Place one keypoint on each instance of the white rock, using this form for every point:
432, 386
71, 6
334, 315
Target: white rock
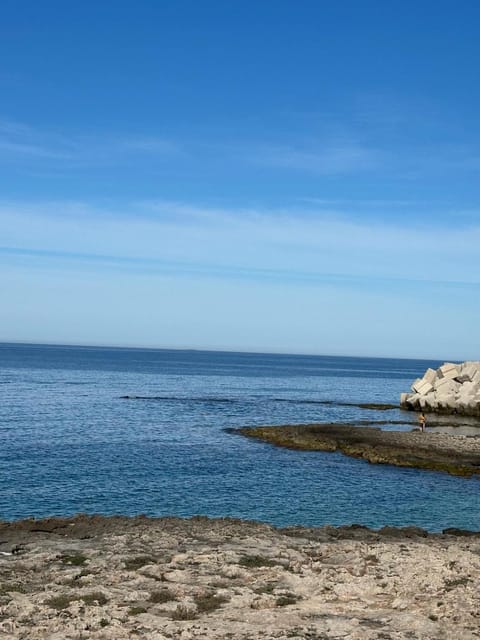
453, 387
424, 403
414, 384
467, 371
430, 375
450, 388
468, 389
422, 387
449, 370
413, 398
442, 382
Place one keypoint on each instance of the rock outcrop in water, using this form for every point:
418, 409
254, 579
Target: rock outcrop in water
456, 455
453, 388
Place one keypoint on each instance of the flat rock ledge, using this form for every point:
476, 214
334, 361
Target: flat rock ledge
92, 577
457, 455
451, 389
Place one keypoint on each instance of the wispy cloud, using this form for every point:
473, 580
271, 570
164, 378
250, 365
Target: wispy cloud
67, 260
20, 142
289, 244
380, 133
328, 159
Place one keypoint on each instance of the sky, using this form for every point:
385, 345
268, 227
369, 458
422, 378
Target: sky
296, 176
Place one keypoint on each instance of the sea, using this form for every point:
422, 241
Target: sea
149, 431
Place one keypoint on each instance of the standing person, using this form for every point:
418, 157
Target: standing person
422, 421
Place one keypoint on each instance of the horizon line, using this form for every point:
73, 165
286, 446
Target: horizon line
210, 350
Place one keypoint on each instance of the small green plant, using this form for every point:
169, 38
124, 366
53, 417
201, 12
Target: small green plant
73, 582
182, 612
132, 564
287, 599
456, 582
104, 622
256, 561
267, 588
61, 602
159, 597
11, 587
219, 584
209, 602
136, 611
77, 559
95, 598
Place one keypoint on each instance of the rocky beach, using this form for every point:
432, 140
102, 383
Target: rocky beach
117, 578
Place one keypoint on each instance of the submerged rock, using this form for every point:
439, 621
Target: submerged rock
452, 388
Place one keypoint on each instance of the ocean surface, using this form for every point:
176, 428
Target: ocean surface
71, 443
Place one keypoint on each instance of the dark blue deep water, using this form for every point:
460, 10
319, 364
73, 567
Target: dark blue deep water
70, 443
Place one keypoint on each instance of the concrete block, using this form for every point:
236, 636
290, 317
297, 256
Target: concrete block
469, 389
448, 389
467, 371
424, 403
441, 382
465, 406
412, 400
448, 370
453, 388
430, 375
422, 387
469, 407
417, 381
476, 377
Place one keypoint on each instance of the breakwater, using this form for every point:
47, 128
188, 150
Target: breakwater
452, 388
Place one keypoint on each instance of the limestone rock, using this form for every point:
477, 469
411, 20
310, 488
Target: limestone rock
351, 583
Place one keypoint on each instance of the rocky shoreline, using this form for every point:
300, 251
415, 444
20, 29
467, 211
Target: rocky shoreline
117, 578
454, 454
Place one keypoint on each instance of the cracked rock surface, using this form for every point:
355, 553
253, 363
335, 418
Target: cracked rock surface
117, 578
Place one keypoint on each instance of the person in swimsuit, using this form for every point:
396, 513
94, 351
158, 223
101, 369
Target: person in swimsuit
422, 421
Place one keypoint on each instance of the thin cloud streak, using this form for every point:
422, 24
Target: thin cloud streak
329, 159
300, 243
151, 265
19, 142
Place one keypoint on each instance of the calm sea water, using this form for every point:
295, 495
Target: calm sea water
70, 443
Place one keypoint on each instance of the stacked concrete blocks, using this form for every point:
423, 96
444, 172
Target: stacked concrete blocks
453, 388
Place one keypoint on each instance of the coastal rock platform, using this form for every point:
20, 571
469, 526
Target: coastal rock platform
93, 577
455, 454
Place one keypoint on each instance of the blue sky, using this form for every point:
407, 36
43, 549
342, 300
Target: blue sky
268, 176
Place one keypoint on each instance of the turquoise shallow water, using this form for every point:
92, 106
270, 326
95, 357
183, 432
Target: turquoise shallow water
71, 443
